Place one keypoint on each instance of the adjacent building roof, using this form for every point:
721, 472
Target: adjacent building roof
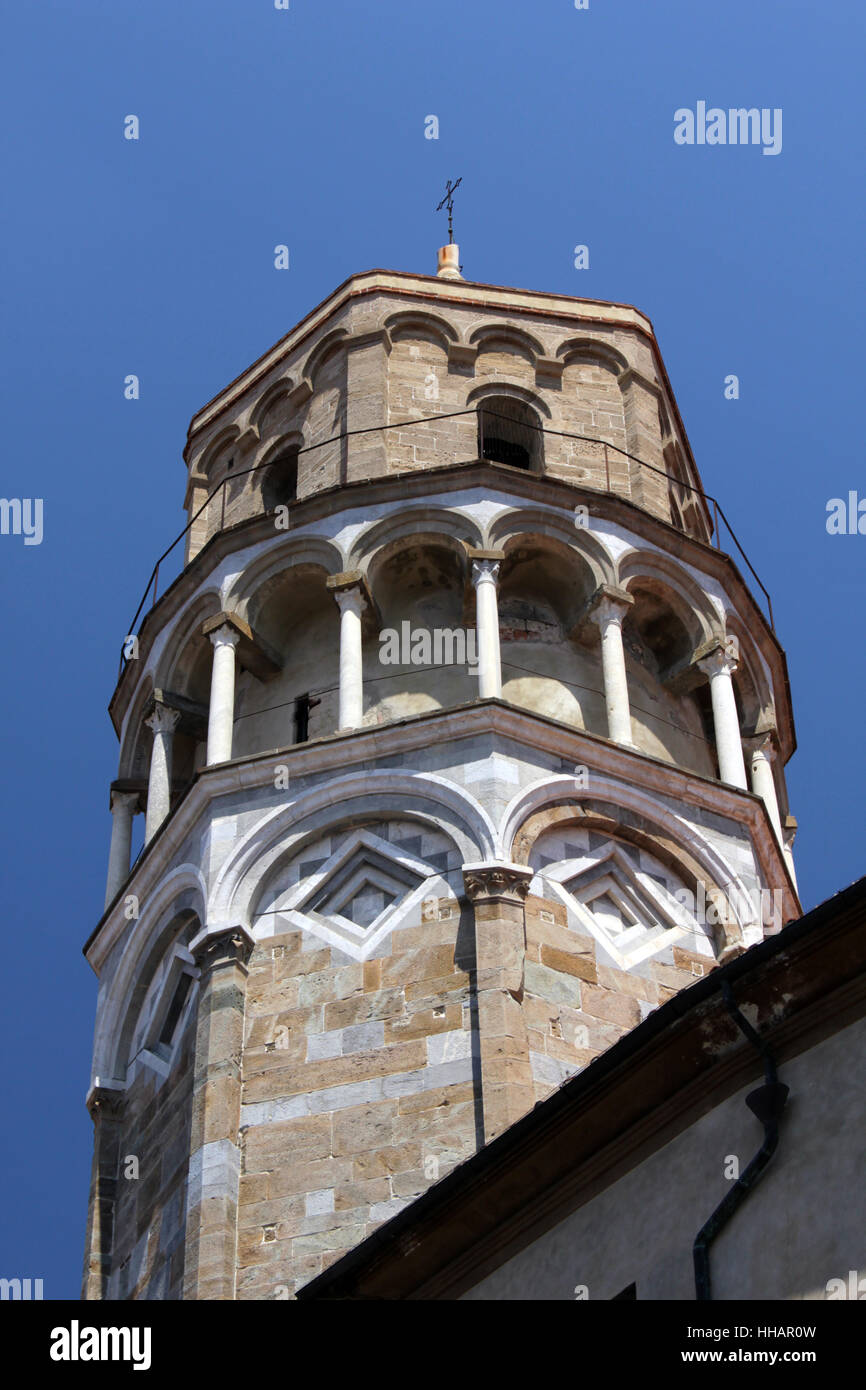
800, 986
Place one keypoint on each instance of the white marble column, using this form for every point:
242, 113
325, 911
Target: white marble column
123, 808
163, 722
221, 715
719, 665
608, 612
352, 603
762, 752
484, 576
788, 836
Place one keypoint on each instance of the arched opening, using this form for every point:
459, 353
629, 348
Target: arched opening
543, 588
658, 634
424, 656
189, 677
671, 714
280, 483
509, 431
297, 619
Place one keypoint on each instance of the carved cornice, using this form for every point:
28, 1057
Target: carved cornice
221, 946
486, 882
105, 1102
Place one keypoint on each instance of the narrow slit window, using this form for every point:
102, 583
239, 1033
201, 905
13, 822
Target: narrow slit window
175, 1009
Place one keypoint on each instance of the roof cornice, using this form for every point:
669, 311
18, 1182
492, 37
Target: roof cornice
467, 293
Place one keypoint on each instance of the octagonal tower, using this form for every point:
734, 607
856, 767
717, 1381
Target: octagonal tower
459, 745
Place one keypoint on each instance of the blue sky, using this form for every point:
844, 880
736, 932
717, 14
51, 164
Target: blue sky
306, 127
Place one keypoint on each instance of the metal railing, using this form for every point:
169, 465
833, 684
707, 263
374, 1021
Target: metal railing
481, 412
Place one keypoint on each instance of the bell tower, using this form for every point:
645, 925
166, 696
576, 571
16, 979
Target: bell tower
459, 741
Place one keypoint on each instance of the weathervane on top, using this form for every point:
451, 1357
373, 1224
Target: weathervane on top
448, 201
449, 256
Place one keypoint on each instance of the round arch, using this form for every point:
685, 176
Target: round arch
132, 762
186, 629
345, 799
332, 342
286, 554
479, 393
753, 688
217, 446
439, 525
660, 573
492, 335
591, 350
630, 814
412, 323
515, 525
175, 909
273, 396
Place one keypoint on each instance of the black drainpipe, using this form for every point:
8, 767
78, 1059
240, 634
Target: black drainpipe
767, 1103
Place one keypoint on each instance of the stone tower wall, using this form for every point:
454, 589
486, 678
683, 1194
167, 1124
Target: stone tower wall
415, 892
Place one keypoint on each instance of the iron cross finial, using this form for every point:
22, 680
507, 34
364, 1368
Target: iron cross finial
448, 201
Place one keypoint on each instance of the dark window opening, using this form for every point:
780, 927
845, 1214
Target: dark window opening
509, 432
280, 486
303, 705
501, 450
175, 1009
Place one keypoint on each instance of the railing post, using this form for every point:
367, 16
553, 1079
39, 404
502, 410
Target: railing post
481, 432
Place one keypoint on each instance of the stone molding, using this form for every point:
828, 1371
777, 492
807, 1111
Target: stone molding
339, 754
491, 882
219, 946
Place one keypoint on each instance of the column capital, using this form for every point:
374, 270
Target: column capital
607, 604
485, 572
765, 742
350, 590
224, 636
124, 801
254, 654
351, 600
717, 657
497, 881
163, 720
229, 620
215, 946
